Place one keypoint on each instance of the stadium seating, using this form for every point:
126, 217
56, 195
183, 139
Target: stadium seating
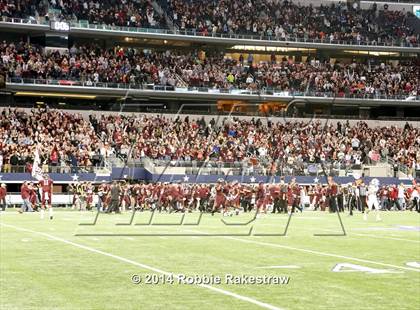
69, 140
94, 65
66, 142
132, 13
280, 20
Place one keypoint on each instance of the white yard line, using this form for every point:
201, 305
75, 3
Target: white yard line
384, 237
350, 233
279, 267
310, 251
146, 267
321, 253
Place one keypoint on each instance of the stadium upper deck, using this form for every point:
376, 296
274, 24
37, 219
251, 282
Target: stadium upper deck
341, 54
95, 65
324, 25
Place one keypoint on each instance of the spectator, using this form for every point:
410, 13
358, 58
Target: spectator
132, 66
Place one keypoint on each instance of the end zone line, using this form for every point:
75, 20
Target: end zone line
147, 267
314, 252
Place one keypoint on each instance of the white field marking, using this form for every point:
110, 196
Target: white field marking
129, 238
322, 253
280, 267
26, 240
408, 227
146, 267
373, 236
346, 267
95, 239
275, 245
375, 228
413, 264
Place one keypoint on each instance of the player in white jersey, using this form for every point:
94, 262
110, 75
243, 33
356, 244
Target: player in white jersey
372, 199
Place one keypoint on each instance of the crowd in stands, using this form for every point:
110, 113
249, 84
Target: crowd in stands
285, 20
272, 19
126, 13
137, 67
66, 140
90, 64
272, 145
23, 8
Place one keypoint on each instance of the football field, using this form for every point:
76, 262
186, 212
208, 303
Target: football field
177, 261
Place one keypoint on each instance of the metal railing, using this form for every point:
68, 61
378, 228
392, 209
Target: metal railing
258, 37
195, 33
233, 91
399, 167
217, 167
394, 1
8, 168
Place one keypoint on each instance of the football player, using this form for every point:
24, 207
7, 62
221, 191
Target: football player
372, 199
46, 185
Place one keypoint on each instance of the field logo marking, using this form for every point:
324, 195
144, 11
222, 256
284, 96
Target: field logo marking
413, 264
347, 267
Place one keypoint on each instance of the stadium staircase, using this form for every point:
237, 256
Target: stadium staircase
179, 81
161, 12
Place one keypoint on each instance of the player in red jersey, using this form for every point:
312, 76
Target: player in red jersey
261, 199
236, 197
232, 201
46, 185
3, 193
89, 195
220, 198
204, 195
294, 196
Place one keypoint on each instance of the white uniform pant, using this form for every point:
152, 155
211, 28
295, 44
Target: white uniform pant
373, 202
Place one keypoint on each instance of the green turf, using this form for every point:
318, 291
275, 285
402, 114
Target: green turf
37, 271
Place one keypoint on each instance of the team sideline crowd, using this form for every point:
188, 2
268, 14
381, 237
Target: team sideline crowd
228, 198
